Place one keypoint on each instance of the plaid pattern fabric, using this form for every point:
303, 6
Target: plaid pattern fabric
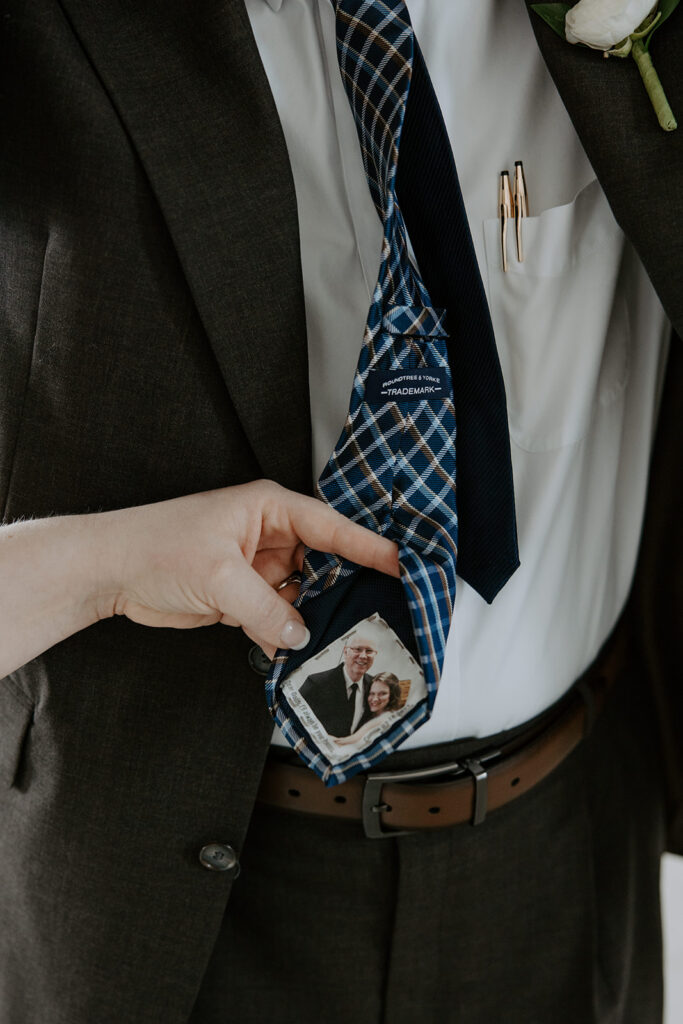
393, 468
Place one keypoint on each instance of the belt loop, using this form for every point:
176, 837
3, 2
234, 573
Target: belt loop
481, 788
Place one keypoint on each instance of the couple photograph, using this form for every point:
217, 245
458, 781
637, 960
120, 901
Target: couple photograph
356, 688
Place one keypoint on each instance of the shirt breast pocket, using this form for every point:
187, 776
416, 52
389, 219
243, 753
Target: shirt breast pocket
560, 319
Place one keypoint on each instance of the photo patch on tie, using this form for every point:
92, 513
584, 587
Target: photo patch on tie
427, 382
352, 692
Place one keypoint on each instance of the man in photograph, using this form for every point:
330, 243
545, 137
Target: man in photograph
337, 697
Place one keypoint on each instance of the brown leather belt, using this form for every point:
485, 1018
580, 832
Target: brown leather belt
396, 803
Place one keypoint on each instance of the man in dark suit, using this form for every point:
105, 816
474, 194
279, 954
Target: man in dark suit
150, 249
338, 697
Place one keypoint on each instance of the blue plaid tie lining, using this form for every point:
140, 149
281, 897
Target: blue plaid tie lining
393, 469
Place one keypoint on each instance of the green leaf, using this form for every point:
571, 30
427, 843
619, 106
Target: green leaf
554, 15
666, 7
647, 27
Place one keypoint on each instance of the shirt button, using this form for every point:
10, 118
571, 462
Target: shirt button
219, 857
259, 661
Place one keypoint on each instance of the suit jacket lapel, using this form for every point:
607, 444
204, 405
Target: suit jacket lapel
190, 89
638, 164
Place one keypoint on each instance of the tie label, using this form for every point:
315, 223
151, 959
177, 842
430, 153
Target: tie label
428, 382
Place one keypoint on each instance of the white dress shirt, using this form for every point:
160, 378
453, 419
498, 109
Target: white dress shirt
580, 333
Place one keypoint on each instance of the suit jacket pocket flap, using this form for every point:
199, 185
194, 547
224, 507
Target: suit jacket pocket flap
16, 715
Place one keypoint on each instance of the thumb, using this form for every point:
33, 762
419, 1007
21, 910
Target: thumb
249, 602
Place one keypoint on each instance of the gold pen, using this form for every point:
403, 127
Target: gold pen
505, 212
521, 206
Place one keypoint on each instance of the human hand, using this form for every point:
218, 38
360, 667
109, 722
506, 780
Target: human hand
217, 556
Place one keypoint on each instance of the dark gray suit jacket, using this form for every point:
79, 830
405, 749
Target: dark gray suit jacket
153, 344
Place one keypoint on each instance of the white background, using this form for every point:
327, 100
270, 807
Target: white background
672, 905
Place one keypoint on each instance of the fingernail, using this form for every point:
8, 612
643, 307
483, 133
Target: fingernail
294, 635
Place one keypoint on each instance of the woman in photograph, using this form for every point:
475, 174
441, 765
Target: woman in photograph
383, 696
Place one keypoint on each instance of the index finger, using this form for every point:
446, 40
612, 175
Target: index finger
324, 529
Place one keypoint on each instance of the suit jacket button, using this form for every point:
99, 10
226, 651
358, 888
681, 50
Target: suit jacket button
219, 857
259, 661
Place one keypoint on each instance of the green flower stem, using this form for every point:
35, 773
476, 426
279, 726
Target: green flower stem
653, 86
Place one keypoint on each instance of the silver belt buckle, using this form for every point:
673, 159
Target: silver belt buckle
372, 805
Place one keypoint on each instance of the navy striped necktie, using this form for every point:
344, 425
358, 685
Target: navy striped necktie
394, 467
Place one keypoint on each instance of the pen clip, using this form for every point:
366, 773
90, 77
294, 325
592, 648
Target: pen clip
521, 200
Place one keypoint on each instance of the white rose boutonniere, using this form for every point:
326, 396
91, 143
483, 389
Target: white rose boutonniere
619, 28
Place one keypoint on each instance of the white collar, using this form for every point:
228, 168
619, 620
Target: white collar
274, 5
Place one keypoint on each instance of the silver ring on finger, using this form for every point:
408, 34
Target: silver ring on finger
295, 577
